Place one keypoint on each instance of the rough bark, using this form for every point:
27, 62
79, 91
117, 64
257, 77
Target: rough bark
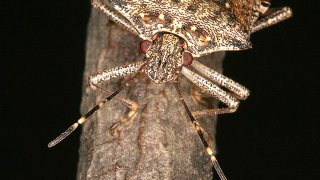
160, 143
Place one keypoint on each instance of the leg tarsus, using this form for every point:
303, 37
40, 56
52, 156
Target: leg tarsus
123, 122
213, 112
197, 96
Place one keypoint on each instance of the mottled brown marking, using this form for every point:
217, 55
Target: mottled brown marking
192, 8
209, 15
244, 11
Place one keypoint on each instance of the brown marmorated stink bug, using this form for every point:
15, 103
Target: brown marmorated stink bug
174, 32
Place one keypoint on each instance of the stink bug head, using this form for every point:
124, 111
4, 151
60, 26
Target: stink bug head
165, 57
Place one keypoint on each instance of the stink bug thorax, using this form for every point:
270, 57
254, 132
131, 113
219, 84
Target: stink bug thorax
164, 57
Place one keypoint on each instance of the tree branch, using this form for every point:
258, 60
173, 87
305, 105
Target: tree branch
160, 143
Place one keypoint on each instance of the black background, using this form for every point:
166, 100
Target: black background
273, 135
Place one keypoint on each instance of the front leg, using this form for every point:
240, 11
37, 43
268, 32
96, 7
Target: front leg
114, 16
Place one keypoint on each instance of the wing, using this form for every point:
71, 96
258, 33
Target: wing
206, 25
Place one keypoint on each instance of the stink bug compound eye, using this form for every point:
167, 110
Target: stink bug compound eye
186, 58
145, 45
174, 33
